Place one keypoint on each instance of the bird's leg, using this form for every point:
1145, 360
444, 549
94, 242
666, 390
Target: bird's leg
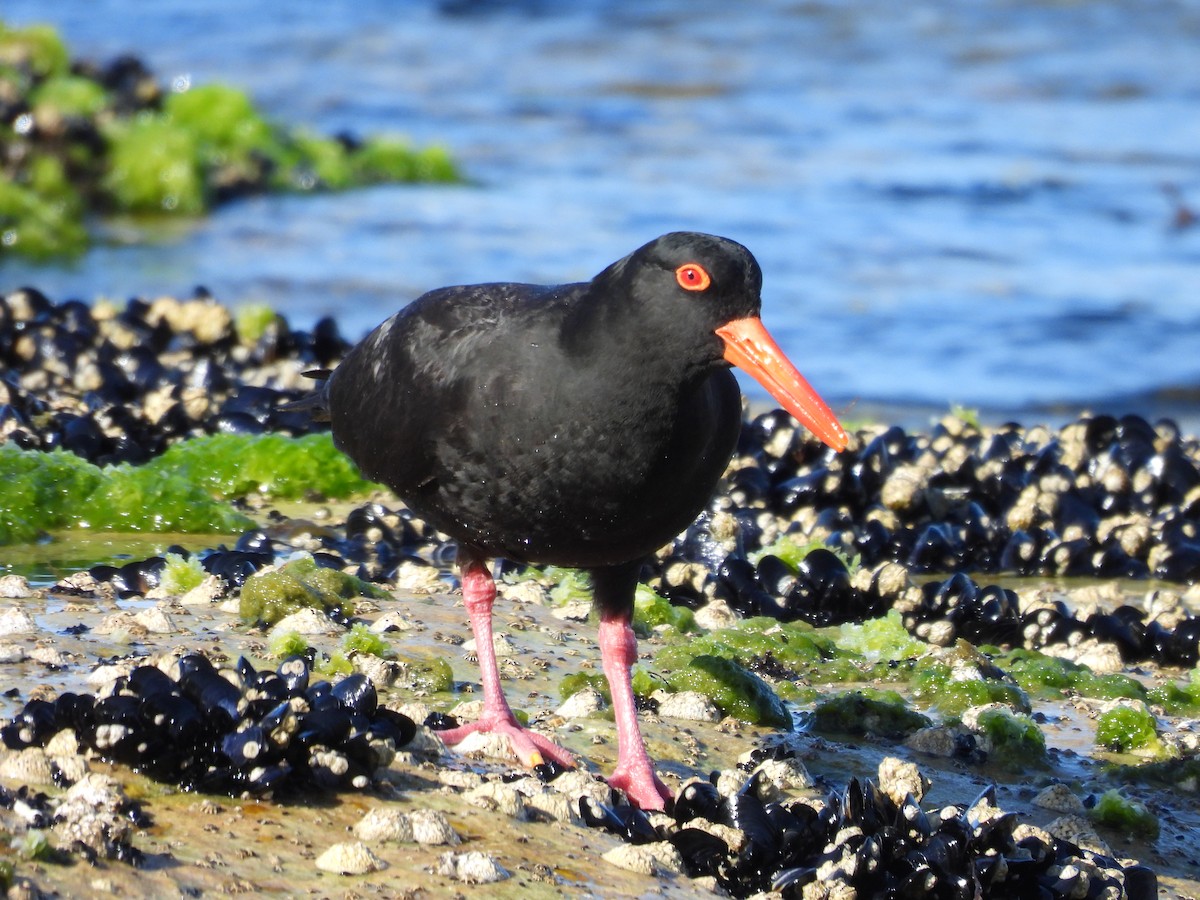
479, 592
634, 773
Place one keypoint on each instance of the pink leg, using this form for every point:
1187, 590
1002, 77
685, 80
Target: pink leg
634, 773
479, 592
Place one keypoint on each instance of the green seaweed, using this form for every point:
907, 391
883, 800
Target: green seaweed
937, 685
1128, 729
183, 490
1014, 740
650, 611
361, 639
252, 321
429, 675
37, 48
180, 575
734, 690
69, 95
792, 552
154, 166
224, 123
868, 711
575, 682
270, 595
1114, 810
285, 644
178, 152
40, 212
387, 159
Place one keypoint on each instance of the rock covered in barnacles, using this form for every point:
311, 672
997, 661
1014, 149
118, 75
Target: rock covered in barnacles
385, 823
655, 859
899, 779
472, 867
16, 621
349, 858
14, 587
96, 813
497, 796
430, 826
1059, 798
28, 766
691, 706
581, 704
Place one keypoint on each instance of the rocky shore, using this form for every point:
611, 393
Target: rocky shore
988, 635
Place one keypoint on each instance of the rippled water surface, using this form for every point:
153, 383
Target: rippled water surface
972, 203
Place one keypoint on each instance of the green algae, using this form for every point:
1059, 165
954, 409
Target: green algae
40, 212
361, 639
337, 663
224, 123
252, 321
575, 682
236, 465
285, 644
180, 491
180, 574
653, 611
793, 552
1129, 729
937, 685
35, 48
1046, 677
1014, 741
387, 159
69, 95
179, 152
427, 675
733, 689
1114, 810
270, 595
883, 638
154, 166
867, 711
1174, 774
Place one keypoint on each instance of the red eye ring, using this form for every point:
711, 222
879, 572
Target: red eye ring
692, 277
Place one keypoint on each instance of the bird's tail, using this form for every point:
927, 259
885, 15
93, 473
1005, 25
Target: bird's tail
316, 403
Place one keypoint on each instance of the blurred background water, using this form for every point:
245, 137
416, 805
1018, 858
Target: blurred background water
980, 203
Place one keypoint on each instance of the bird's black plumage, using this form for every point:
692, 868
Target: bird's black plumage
581, 425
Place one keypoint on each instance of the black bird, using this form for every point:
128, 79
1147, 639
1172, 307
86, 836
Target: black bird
581, 425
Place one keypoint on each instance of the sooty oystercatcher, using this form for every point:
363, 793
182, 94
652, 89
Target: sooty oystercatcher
580, 425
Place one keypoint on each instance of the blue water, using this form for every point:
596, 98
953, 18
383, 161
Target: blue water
952, 203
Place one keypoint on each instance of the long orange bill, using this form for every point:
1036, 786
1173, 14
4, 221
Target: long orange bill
751, 348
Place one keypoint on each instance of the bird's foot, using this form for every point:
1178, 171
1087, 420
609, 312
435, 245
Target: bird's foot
643, 788
531, 748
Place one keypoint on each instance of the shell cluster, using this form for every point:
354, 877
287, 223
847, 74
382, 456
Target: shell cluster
1101, 497
115, 385
864, 841
234, 731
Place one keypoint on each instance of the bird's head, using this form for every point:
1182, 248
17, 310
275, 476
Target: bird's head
709, 288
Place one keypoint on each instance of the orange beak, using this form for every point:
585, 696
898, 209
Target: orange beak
751, 348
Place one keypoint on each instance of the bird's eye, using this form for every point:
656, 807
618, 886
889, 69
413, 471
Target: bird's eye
692, 277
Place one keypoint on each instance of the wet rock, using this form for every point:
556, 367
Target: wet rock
1059, 798
582, 704
655, 859
430, 826
472, 867
349, 858
16, 621
14, 587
